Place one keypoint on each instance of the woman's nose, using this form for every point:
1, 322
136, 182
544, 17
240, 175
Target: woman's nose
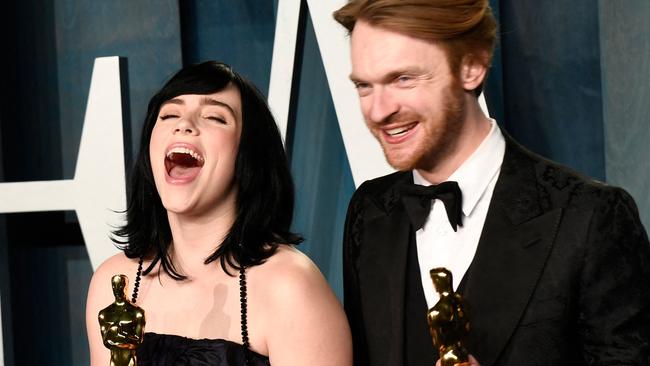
185, 126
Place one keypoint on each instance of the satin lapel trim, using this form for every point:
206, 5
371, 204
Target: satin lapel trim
510, 260
383, 287
517, 238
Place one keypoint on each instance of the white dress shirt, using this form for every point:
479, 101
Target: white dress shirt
437, 243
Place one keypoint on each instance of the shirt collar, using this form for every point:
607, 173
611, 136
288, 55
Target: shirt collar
476, 173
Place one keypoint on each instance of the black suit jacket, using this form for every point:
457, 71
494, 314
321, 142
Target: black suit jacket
561, 274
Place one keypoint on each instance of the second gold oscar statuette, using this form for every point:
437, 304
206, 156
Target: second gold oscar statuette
448, 321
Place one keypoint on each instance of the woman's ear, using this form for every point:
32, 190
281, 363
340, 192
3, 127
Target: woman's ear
473, 70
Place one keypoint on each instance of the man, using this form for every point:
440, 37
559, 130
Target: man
554, 267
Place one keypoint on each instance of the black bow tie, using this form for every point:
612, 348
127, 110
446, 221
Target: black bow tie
417, 200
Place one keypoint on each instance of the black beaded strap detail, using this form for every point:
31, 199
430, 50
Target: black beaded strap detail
243, 300
136, 284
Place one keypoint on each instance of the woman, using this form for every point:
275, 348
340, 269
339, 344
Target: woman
210, 206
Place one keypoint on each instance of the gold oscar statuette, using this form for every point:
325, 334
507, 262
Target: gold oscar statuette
122, 325
448, 322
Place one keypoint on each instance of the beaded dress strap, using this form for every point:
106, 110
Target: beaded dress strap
136, 284
243, 301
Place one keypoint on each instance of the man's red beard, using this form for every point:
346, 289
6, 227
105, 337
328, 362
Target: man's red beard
441, 132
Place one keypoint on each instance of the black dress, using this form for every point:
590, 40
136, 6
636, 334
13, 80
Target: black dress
166, 349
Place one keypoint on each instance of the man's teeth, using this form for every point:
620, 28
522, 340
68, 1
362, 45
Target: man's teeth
398, 130
184, 150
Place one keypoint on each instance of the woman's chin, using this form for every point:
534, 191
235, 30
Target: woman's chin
178, 207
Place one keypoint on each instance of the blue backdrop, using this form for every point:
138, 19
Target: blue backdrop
569, 81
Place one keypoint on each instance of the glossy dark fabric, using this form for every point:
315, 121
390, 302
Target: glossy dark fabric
165, 349
561, 274
418, 200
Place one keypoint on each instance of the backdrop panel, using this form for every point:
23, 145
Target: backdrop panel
625, 44
239, 33
550, 73
320, 167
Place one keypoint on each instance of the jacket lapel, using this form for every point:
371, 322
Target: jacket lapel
387, 229
515, 243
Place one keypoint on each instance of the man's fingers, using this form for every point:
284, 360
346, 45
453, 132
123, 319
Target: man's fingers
472, 361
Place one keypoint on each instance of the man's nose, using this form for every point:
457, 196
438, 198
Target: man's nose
382, 106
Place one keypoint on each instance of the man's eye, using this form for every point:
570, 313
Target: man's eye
361, 85
167, 116
404, 80
363, 88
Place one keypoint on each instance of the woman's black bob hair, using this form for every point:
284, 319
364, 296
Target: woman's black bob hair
265, 193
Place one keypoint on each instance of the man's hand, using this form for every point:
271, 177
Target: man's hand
472, 362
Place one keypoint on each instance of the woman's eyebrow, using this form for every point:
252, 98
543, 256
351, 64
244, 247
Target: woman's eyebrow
212, 101
174, 101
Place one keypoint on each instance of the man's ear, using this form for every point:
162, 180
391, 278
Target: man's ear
473, 70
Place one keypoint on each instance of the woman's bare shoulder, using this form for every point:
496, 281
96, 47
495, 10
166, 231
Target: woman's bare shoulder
288, 275
300, 309
289, 266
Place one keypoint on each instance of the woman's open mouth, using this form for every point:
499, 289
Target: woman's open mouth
183, 164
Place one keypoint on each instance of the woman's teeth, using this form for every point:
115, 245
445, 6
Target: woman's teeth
184, 150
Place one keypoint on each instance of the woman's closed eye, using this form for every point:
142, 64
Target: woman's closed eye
216, 119
167, 116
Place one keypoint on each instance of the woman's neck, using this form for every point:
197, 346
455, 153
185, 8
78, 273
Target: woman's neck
195, 238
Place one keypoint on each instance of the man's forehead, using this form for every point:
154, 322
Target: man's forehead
378, 51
